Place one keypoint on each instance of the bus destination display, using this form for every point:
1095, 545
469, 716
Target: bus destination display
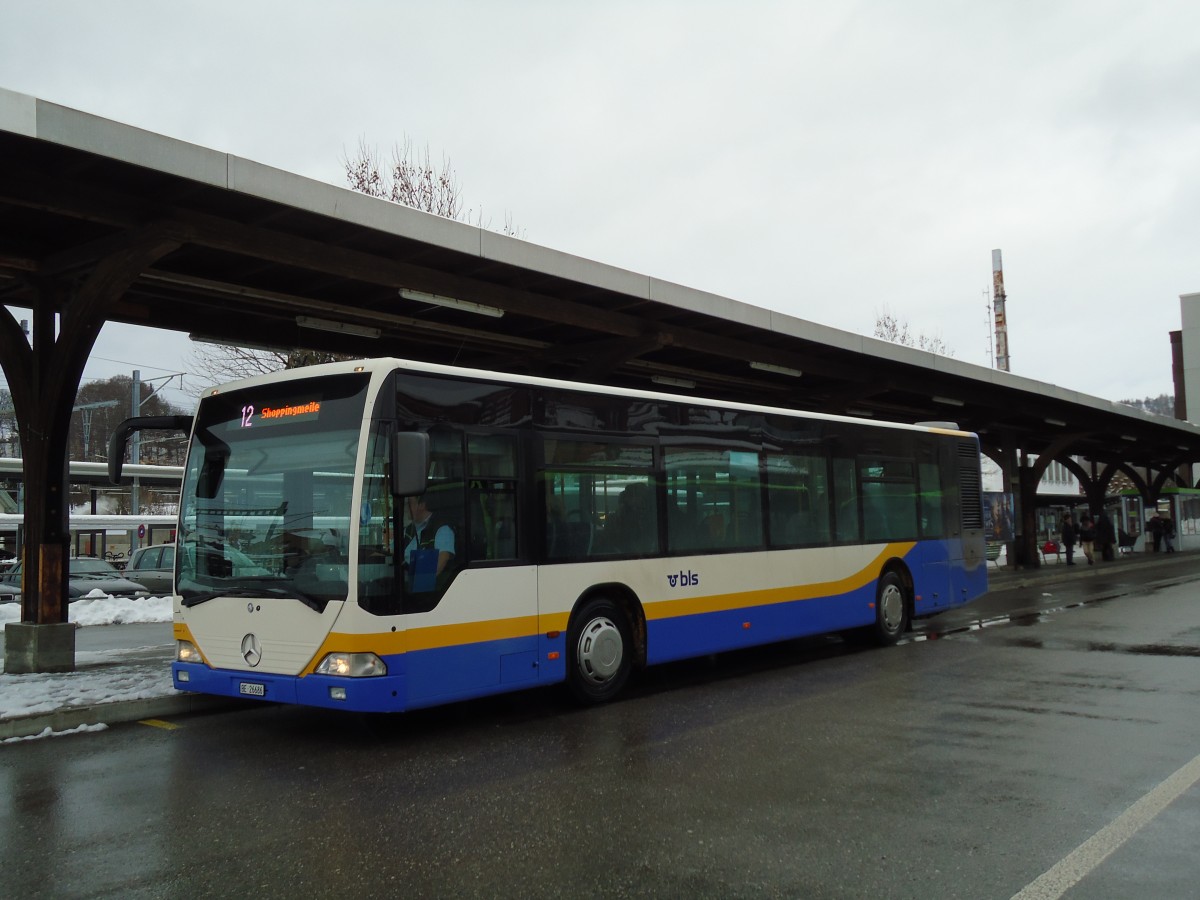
275, 415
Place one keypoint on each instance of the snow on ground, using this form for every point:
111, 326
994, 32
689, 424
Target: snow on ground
101, 676
101, 609
49, 732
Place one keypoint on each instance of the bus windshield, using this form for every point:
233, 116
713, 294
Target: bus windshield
265, 507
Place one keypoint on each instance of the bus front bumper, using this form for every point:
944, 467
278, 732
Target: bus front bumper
385, 693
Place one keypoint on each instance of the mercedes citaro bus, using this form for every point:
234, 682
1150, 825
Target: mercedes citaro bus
384, 535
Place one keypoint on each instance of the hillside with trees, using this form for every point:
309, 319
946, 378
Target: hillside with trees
1162, 405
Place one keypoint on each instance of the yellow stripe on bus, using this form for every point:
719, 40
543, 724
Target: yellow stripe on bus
668, 609
471, 633
431, 638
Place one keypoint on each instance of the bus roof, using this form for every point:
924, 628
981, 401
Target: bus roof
381, 366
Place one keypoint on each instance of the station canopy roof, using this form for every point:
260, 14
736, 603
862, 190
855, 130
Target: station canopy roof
270, 258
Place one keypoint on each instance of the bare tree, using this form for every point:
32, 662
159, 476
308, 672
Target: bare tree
890, 327
413, 180
102, 405
410, 179
219, 363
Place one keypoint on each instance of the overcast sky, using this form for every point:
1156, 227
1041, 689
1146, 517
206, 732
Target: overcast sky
829, 160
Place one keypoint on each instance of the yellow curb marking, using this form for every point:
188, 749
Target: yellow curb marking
159, 723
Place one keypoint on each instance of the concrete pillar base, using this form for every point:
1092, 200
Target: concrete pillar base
30, 648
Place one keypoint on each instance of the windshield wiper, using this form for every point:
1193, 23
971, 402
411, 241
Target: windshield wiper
307, 599
205, 596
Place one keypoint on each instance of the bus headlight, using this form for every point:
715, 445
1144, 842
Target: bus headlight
186, 652
352, 665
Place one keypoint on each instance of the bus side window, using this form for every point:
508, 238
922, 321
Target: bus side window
493, 511
492, 506
798, 498
581, 486
932, 502
889, 499
845, 495
570, 520
377, 591
713, 498
632, 527
442, 520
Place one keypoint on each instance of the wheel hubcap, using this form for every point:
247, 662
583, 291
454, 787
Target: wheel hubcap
600, 650
891, 607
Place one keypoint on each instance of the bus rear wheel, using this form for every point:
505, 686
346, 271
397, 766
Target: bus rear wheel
600, 648
891, 609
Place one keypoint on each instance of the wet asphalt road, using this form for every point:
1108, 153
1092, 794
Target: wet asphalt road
965, 766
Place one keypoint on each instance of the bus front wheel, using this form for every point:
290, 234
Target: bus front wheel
891, 609
601, 651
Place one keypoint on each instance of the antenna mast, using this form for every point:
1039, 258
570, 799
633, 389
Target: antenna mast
998, 305
987, 305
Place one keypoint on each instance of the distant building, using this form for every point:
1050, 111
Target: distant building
1058, 480
1190, 346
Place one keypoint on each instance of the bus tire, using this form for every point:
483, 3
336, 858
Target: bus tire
600, 651
891, 609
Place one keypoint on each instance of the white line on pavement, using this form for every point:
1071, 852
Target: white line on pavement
1074, 867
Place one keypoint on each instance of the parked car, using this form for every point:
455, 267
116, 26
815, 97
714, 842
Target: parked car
10, 584
154, 567
85, 574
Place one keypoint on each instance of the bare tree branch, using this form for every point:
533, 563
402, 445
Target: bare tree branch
217, 363
411, 179
890, 327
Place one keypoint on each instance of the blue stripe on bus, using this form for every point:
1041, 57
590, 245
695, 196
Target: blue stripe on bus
715, 632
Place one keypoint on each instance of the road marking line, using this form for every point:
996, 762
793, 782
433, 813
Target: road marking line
158, 723
1072, 869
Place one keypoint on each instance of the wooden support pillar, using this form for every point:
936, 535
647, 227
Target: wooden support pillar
1027, 536
1010, 478
44, 378
1094, 489
44, 642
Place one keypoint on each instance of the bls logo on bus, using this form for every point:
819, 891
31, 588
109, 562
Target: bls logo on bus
684, 579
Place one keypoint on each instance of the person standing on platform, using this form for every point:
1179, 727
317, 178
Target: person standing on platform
1087, 537
1106, 537
1155, 527
1068, 538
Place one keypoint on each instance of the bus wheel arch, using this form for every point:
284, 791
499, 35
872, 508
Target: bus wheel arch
893, 603
606, 641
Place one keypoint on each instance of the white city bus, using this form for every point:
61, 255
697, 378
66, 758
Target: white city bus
571, 533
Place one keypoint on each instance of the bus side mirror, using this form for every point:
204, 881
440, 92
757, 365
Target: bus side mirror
120, 437
410, 463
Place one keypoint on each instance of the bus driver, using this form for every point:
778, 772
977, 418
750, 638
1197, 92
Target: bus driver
424, 537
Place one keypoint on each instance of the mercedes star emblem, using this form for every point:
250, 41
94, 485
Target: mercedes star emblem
251, 650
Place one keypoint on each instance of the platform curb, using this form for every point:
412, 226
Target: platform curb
115, 713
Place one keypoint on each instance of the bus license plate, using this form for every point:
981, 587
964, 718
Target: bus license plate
253, 690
